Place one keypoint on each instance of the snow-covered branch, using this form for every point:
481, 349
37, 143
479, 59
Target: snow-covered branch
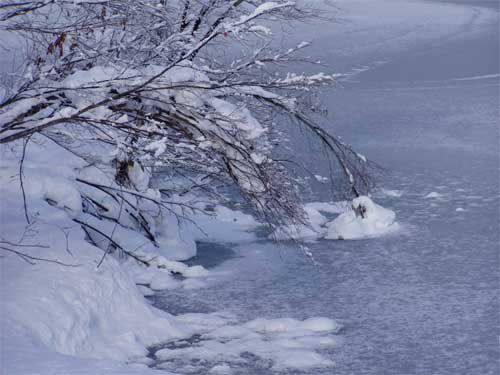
135, 80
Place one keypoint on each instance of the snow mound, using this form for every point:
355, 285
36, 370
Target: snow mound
366, 219
361, 218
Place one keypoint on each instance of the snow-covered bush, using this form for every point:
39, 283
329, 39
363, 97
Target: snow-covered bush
122, 129
186, 88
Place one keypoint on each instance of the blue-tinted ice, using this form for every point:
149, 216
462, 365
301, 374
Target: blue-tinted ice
425, 301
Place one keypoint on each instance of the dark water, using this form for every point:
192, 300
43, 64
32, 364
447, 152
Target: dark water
424, 301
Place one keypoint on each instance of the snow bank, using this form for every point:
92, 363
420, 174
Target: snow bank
52, 311
67, 308
366, 219
58, 307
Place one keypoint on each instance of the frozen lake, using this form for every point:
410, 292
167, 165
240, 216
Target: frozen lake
421, 98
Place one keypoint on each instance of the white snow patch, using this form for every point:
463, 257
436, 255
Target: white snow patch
433, 194
223, 369
284, 342
320, 178
391, 193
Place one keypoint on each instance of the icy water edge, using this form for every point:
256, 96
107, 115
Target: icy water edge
423, 301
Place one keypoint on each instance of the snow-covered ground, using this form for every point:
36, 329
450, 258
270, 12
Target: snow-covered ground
56, 312
64, 309
423, 300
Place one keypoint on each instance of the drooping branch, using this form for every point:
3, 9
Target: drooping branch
157, 87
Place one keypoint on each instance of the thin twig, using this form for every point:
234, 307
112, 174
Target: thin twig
28, 258
21, 165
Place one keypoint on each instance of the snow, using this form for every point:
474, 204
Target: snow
260, 29
158, 147
226, 226
474, 78
180, 245
238, 115
196, 271
320, 324
59, 193
314, 227
433, 194
266, 7
257, 158
76, 310
293, 325
348, 225
303, 79
61, 314
287, 344
331, 208
366, 220
139, 177
391, 193
303, 44
223, 369
320, 178
95, 318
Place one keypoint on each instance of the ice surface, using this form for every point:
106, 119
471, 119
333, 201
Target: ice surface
434, 194
428, 302
223, 369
